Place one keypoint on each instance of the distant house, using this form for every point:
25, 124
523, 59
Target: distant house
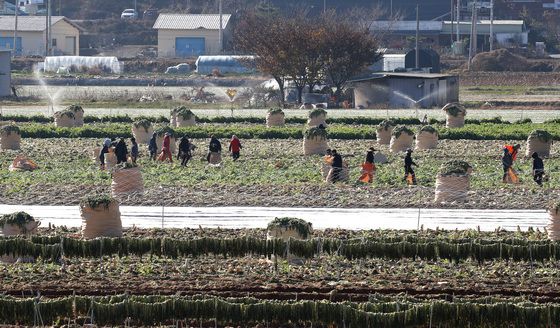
65, 35
186, 35
405, 90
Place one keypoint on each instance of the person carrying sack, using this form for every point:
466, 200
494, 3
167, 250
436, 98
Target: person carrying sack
215, 147
368, 167
335, 174
166, 149
507, 163
409, 175
184, 151
152, 147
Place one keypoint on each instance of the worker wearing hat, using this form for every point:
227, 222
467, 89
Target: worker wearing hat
409, 174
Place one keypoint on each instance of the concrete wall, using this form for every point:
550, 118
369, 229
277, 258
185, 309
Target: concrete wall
406, 92
33, 43
166, 40
5, 78
371, 94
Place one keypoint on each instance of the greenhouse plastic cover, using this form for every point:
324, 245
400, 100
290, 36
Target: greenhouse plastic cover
53, 63
225, 64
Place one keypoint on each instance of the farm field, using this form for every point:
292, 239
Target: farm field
412, 268
253, 278
271, 173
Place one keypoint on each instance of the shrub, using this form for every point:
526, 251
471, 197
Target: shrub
386, 125
67, 113
400, 130
429, 129
317, 112
455, 110
19, 219
454, 167
142, 123
274, 111
542, 135
94, 201
165, 129
316, 132
9, 129
75, 108
303, 228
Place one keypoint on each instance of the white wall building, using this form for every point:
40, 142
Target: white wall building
65, 35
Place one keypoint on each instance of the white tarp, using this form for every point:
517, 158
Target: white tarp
53, 63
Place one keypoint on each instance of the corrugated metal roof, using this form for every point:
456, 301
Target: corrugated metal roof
406, 25
419, 75
190, 22
31, 23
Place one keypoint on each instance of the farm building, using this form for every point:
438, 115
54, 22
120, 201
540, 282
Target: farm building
405, 90
186, 35
428, 61
507, 33
5, 72
65, 35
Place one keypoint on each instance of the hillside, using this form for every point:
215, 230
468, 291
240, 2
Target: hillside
97, 9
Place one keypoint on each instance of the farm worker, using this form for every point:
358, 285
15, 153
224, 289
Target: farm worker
133, 150
166, 148
513, 150
235, 147
152, 147
507, 162
368, 168
538, 168
184, 151
104, 150
424, 120
214, 147
336, 171
121, 151
408, 171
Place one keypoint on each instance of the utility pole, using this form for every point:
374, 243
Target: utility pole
458, 18
472, 46
417, 35
324, 6
135, 9
221, 34
14, 53
491, 25
49, 15
391, 9
47, 28
451, 13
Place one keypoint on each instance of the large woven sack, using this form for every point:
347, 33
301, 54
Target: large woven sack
553, 226
344, 174
110, 158
215, 158
317, 120
402, 143
14, 230
285, 234
315, 146
10, 141
173, 141
426, 140
142, 135
79, 118
455, 121
539, 146
127, 181
101, 221
384, 135
10, 230
179, 121
450, 188
275, 119
64, 121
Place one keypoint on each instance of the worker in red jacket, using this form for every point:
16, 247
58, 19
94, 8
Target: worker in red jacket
166, 148
235, 147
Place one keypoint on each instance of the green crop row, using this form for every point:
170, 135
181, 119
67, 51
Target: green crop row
469, 132
358, 120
